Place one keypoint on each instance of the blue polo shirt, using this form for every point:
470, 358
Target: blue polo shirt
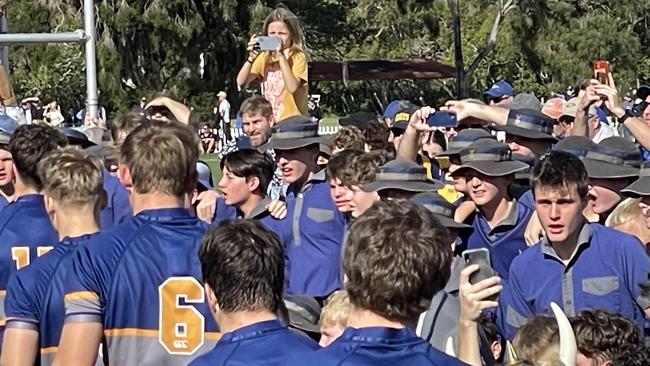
259, 212
505, 241
263, 343
317, 230
605, 272
3, 202
377, 346
118, 207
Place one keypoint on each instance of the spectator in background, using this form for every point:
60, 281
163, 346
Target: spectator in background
282, 72
33, 109
628, 217
124, 124
53, 114
222, 116
500, 93
80, 116
7, 191
208, 140
314, 110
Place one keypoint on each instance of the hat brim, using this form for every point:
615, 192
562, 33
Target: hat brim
291, 143
496, 94
603, 170
451, 152
640, 188
494, 168
525, 133
80, 142
404, 185
451, 224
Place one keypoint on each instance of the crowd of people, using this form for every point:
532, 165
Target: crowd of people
517, 236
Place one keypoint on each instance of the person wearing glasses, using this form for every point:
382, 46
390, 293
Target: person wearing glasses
500, 93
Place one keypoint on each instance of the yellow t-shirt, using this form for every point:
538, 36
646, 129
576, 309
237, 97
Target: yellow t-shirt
269, 73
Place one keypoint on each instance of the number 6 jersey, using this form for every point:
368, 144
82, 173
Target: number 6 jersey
142, 281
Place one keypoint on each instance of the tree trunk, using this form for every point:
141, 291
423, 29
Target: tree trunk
461, 86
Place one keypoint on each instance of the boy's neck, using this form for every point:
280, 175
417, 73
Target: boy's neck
230, 322
362, 318
307, 177
496, 210
151, 201
22, 189
75, 223
247, 207
567, 248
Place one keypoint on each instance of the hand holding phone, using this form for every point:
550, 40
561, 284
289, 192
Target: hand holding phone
480, 257
442, 119
266, 43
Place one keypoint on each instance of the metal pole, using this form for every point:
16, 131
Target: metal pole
91, 65
29, 38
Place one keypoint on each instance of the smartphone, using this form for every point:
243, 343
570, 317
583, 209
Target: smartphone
481, 257
442, 119
601, 71
268, 43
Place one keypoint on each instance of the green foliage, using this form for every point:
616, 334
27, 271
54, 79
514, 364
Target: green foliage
146, 46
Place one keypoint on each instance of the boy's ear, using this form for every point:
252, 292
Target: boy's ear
124, 174
50, 204
253, 183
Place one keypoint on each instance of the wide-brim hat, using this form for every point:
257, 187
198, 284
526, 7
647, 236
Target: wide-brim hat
491, 158
530, 124
614, 157
440, 208
76, 137
304, 312
293, 133
576, 145
465, 138
358, 119
641, 186
528, 160
204, 175
402, 175
524, 101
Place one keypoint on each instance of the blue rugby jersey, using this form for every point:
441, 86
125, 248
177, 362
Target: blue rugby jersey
376, 346
35, 296
118, 207
25, 234
142, 281
264, 343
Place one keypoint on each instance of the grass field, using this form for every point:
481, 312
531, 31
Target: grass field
213, 162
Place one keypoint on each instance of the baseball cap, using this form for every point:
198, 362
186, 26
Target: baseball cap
221, 94
554, 107
499, 89
571, 108
400, 110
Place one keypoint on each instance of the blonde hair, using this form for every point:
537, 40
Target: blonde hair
534, 339
336, 309
292, 22
71, 176
626, 211
161, 158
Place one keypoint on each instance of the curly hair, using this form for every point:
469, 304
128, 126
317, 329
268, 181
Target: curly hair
601, 334
346, 138
376, 136
363, 167
29, 144
632, 355
397, 257
341, 165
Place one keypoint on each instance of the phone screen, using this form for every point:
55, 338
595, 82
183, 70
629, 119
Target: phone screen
442, 119
268, 43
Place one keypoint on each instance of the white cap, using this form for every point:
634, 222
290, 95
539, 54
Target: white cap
221, 94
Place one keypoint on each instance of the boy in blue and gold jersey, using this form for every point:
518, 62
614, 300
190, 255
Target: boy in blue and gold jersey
137, 288
73, 195
25, 228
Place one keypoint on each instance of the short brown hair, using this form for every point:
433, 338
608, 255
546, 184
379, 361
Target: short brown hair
341, 165
243, 263
256, 104
397, 257
349, 137
601, 334
71, 176
364, 167
28, 145
535, 337
126, 123
161, 157
560, 169
376, 136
